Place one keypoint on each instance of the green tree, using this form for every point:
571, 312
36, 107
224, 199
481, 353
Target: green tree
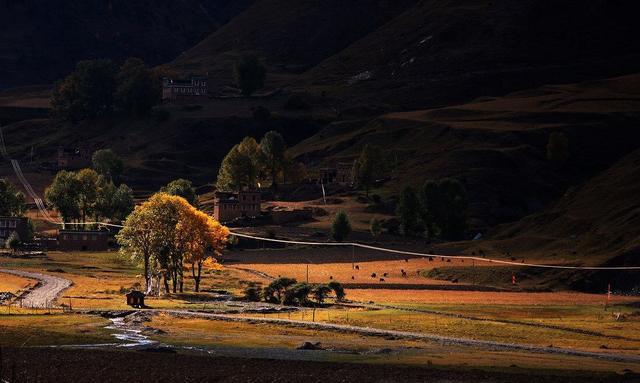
250, 74
138, 88
12, 201
370, 166
63, 194
408, 211
87, 92
320, 293
113, 203
107, 163
87, 192
298, 294
277, 290
444, 208
375, 227
558, 149
273, 148
338, 290
241, 167
13, 242
252, 293
341, 227
182, 188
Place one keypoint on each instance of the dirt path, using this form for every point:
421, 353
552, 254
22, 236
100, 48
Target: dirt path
45, 292
445, 340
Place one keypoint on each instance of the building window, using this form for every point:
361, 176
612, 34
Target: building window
85, 237
3, 223
94, 237
12, 223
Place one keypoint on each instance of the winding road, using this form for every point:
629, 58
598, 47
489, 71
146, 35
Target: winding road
46, 291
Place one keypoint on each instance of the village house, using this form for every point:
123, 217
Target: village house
10, 224
184, 90
74, 158
83, 240
342, 174
229, 206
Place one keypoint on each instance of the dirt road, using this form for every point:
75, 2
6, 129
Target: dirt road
46, 291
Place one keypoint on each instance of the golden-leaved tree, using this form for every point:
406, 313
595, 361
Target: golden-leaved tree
165, 233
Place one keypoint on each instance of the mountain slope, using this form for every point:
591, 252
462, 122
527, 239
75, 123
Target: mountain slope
444, 51
291, 36
497, 146
43, 39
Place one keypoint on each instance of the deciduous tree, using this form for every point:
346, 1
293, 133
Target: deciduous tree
138, 88
250, 74
63, 194
341, 228
107, 163
12, 201
182, 188
273, 148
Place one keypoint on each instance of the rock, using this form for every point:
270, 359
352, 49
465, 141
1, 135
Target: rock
309, 346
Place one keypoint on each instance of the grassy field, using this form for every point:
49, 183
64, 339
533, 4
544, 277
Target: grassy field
13, 284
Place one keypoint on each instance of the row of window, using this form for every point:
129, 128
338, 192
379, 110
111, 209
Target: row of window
77, 237
8, 223
231, 206
5, 233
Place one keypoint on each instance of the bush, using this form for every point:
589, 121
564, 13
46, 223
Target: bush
337, 289
375, 227
341, 228
277, 290
298, 294
320, 293
252, 293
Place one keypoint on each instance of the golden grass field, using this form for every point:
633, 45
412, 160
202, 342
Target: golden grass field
13, 284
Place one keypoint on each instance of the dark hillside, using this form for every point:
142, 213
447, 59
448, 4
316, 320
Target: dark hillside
497, 146
292, 36
442, 51
43, 39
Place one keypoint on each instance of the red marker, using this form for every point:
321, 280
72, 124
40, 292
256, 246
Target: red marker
513, 279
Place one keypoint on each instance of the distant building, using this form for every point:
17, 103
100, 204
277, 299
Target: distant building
229, 206
10, 224
342, 173
74, 158
83, 240
184, 90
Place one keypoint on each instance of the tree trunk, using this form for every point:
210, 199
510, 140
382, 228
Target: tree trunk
166, 283
197, 276
147, 277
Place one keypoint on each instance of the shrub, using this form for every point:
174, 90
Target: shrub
341, 228
337, 289
252, 293
375, 227
320, 293
298, 294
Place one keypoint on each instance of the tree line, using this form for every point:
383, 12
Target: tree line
92, 193
97, 88
289, 291
249, 164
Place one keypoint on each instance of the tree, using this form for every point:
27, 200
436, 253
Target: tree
338, 290
182, 188
558, 149
252, 293
13, 242
12, 201
273, 148
444, 206
63, 194
341, 228
87, 183
241, 166
276, 291
370, 166
250, 74
107, 163
408, 211
87, 92
375, 227
138, 88
298, 294
320, 293
201, 236
113, 203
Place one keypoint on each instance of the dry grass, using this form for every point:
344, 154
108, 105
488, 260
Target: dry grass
56, 329
13, 284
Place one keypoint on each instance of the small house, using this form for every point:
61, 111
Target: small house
184, 90
83, 240
9, 225
230, 206
135, 299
